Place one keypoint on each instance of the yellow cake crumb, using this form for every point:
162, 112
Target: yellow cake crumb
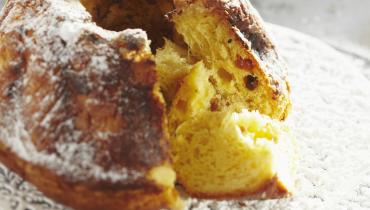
228, 153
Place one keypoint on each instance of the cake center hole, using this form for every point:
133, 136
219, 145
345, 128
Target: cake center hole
118, 15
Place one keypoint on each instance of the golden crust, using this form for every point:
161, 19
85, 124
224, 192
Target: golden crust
247, 25
247, 29
80, 109
107, 111
88, 197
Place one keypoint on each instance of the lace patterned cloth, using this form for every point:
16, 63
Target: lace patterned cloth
330, 118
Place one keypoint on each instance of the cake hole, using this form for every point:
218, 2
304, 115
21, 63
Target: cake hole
118, 15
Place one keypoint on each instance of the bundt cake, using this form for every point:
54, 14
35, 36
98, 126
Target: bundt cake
81, 114
96, 117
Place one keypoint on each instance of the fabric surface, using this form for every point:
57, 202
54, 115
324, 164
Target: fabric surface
330, 119
342, 23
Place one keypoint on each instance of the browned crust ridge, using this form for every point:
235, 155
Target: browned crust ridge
103, 90
247, 27
83, 196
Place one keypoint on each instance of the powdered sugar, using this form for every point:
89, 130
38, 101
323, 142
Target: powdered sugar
54, 31
330, 118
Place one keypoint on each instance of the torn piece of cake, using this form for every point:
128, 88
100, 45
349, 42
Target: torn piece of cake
234, 154
226, 89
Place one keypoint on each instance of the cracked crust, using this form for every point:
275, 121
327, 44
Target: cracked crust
145, 195
246, 26
80, 109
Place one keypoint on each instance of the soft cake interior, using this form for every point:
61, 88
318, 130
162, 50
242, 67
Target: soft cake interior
209, 81
232, 72
227, 154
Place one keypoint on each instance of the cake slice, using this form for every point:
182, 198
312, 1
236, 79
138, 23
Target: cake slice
234, 154
229, 37
227, 90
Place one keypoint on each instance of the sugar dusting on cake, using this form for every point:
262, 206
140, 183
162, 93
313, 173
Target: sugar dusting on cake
330, 118
55, 32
